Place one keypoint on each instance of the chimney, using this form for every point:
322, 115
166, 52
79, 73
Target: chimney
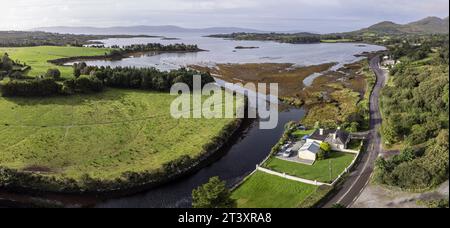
321, 131
335, 134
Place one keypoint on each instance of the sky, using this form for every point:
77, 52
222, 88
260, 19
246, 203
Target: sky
269, 15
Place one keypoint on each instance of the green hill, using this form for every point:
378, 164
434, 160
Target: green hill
429, 25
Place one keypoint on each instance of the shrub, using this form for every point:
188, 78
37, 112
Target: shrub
31, 88
325, 151
86, 84
53, 73
213, 194
16, 75
410, 175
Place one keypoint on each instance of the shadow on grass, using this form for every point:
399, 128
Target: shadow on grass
336, 154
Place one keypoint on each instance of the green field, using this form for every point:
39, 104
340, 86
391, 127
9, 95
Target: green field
320, 171
37, 57
302, 133
266, 191
103, 135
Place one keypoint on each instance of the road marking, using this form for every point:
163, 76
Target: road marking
375, 94
357, 179
362, 190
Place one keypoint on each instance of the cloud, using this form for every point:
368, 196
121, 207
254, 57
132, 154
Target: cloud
311, 15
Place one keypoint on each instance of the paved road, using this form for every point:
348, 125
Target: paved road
360, 177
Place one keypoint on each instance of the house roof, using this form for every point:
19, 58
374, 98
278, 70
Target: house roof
341, 136
317, 136
311, 147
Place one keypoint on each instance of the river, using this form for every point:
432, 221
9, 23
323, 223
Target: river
254, 144
241, 158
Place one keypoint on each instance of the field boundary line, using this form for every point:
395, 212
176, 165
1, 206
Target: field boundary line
95, 124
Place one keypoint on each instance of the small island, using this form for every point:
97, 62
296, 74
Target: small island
118, 52
243, 47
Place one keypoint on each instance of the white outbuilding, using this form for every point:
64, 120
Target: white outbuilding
309, 151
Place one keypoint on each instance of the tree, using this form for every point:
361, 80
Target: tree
78, 69
316, 125
7, 63
76, 72
354, 126
213, 194
53, 73
326, 147
325, 150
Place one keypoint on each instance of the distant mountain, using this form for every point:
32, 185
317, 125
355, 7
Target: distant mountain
144, 30
385, 27
429, 25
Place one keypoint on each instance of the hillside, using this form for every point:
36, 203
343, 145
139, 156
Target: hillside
429, 25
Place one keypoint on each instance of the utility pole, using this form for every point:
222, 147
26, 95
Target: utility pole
331, 172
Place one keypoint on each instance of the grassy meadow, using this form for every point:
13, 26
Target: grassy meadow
320, 171
262, 190
103, 135
37, 57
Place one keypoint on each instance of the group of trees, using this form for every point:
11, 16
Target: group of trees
120, 52
414, 52
144, 78
12, 69
299, 38
417, 168
416, 48
88, 79
49, 86
159, 47
416, 113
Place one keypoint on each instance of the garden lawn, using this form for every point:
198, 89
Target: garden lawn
37, 57
320, 171
262, 190
102, 135
302, 133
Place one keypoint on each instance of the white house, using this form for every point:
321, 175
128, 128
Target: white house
338, 139
309, 151
388, 62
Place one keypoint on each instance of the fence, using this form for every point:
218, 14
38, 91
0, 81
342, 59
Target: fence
285, 176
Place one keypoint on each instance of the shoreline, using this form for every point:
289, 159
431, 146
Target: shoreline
107, 57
